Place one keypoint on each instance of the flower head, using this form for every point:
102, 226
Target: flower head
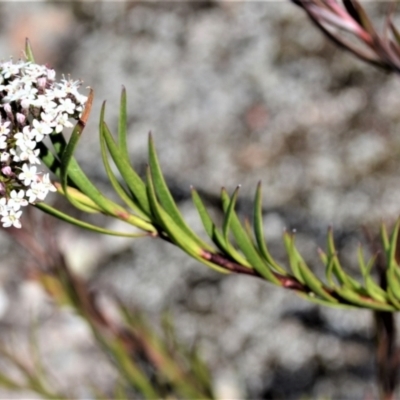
32, 106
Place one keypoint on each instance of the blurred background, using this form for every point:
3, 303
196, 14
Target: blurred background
234, 93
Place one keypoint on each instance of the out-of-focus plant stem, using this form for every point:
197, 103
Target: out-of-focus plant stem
387, 359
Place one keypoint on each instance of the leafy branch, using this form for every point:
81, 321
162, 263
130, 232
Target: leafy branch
235, 247
349, 26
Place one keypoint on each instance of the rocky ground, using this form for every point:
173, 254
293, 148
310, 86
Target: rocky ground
234, 93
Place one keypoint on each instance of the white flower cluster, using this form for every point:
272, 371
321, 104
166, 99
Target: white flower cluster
32, 106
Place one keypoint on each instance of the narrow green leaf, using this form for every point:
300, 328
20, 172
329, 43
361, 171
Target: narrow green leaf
165, 197
167, 222
311, 297
229, 213
246, 246
122, 126
240, 234
111, 176
259, 232
131, 178
288, 240
323, 257
314, 283
28, 51
391, 252
393, 283
213, 232
393, 299
173, 231
362, 301
328, 263
203, 213
337, 269
384, 237
86, 204
129, 369
329, 272
372, 288
65, 217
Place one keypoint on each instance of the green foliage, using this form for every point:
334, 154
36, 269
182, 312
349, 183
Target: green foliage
235, 247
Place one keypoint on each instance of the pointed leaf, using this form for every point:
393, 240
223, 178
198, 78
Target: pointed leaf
372, 288
362, 301
314, 283
311, 297
391, 252
384, 237
173, 231
246, 246
112, 178
167, 223
131, 178
229, 213
166, 199
122, 127
213, 232
208, 224
288, 241
60, 215
28, 51
393, 283
259, 232
337, 269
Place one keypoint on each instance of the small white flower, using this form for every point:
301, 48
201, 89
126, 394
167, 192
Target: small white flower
15, 155
62, 122
24, 137
45, 101
28, 174
3, 142
12, 219
4, 128
36, 191
3, 206
17, 200
4, 157
66, 106
29, 153
49, 117
47, 185
40, 129
9, 69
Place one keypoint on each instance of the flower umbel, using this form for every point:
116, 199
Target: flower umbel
32, 106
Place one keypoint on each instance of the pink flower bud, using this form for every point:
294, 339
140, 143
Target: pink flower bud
21, 118
7, 171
